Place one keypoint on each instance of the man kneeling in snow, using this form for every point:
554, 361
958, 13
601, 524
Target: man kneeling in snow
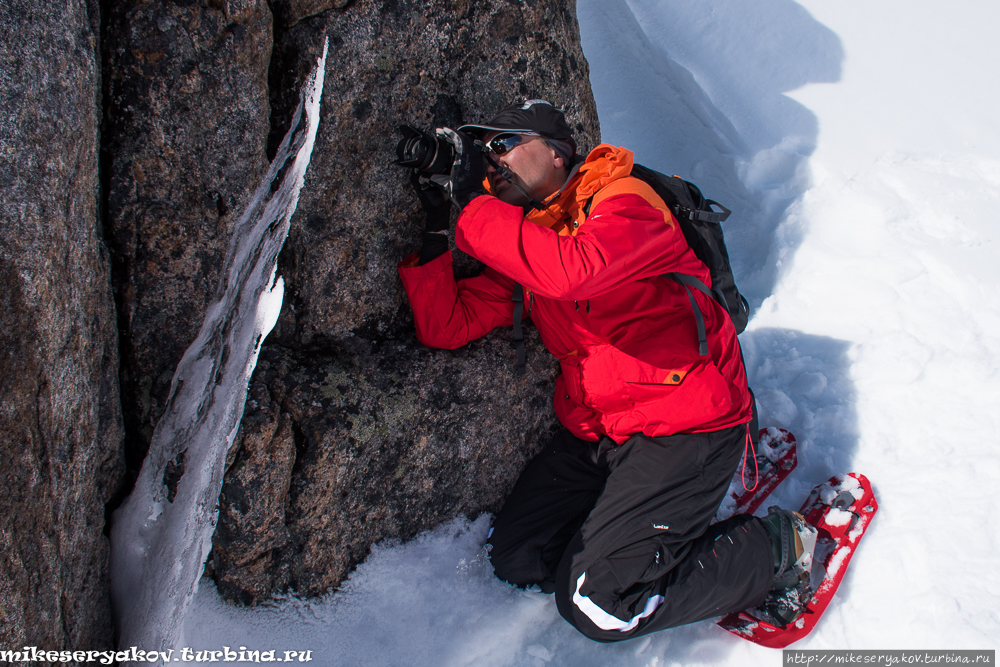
615, 516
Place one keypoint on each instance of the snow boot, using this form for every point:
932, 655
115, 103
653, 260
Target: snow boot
793, 542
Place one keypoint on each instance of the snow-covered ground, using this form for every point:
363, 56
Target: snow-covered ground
858, 145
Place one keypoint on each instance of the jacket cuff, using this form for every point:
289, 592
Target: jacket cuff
409, 261
473, 206
411, 266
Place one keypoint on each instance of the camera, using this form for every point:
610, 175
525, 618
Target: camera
423, 151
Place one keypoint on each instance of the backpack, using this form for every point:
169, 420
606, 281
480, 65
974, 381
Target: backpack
702, 230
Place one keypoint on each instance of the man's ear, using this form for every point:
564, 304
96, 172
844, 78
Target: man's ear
557, 161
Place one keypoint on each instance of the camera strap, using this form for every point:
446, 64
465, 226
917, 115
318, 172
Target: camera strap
507, 176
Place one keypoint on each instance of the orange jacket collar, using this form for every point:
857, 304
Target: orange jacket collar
603, 165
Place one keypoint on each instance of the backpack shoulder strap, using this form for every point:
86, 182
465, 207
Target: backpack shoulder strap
517, 296
632, 186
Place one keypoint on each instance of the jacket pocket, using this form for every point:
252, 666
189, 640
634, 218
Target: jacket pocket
671, 388
602, 386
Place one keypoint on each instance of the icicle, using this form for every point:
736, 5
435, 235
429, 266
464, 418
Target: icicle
158, 546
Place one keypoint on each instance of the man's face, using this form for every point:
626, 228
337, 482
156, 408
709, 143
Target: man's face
535, 167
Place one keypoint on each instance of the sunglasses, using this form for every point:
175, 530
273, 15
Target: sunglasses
505, 143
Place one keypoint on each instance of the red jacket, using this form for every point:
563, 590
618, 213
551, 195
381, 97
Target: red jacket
625, 336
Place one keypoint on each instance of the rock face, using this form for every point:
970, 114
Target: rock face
364, 442
154, 140
186, 126
60, 420
428, 64
356, 432
290, 12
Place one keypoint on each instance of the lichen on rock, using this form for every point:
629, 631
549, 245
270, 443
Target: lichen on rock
365, 442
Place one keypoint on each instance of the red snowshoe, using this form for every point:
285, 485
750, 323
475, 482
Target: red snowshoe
840, 510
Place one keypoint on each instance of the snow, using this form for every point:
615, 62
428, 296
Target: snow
836, 517
833, 567
857, 145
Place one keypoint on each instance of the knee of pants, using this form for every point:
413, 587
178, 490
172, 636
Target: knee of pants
584, 598
518, 566
583, 615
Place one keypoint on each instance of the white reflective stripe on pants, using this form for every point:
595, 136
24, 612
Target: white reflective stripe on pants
603, 619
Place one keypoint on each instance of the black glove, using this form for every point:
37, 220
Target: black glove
437, 215
465, 182
437, 211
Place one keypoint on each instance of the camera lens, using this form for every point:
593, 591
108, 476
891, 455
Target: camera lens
423, 151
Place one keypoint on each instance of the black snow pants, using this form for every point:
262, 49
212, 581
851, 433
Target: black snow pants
623, 535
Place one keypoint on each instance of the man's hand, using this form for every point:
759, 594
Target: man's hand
468, 170
433, 200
